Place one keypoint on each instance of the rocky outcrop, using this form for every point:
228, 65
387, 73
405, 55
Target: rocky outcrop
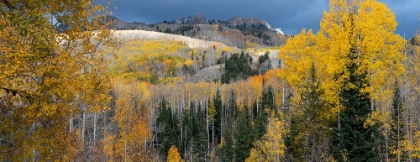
119, 24
237, 21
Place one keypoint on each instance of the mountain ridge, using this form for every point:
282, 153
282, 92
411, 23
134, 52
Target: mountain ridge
198, 19
236, 31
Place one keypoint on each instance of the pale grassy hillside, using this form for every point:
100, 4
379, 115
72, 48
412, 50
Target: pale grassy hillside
128, 35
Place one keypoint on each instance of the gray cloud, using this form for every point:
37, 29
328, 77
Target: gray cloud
289, 15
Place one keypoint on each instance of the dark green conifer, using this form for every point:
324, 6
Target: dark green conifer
352, 140
397, 127
243, 135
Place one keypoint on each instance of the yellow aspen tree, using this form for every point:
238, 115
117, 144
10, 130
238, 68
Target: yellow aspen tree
132, 117
364, 29
51, 67
211, 118
255, 84
310, 110
298, 55
271, 146
371, 26
376, 56
173, 155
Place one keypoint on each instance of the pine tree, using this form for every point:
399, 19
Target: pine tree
352, 140
308, 138
260, 125
397, 128
267, 101
168, 134
227, 146
261, 116
217, 101
200, 135
295, 139
243, 135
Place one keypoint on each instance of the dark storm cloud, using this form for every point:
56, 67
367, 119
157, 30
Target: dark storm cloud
289, 15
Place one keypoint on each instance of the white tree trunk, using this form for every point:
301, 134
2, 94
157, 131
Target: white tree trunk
94, 130
84, 123
125, 134
71, 125
208, 133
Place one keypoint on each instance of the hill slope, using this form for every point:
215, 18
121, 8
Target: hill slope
128, 35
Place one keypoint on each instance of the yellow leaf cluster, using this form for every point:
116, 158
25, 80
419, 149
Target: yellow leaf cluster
271, 146
189, 62
132, 116
173, 155
51, 67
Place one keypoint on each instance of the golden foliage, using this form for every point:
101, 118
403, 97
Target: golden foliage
189, 62
150, 60
48, 72
132, 116
368, 26
271, 146
173, 155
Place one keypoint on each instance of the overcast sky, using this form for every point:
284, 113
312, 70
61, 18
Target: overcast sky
289, 15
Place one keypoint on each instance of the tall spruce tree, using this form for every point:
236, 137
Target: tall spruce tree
168, 134
352, 140
217, 101
200, 135
308, 137
397, 128
243, 135
227, 149
267, 97
260, 121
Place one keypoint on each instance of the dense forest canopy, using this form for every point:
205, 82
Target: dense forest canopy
73, 90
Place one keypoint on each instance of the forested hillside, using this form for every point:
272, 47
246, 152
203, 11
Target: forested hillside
77, 91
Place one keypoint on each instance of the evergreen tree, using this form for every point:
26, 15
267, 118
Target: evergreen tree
217, 101
243, 135
267, 100
352, 140
187, 135
199, 135
308, 136
237, 67
260, 125
295, 139
227, 146
260, 121
168, 134
397, 128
